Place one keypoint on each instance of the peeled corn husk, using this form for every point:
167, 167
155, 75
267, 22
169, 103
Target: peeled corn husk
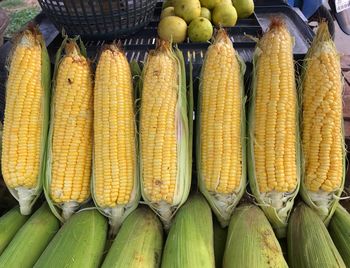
339, 229
27, 196
251, 241
138, 243
183, 118
276, 205
64, 210
117, 213
324, 202
190, 240
309, 243
222, 203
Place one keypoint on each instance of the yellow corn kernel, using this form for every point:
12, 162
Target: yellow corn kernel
72, 129
275, 113
322, 119
23, 115
114, 130
220, 129
158, 126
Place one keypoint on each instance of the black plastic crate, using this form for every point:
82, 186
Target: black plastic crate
99, 19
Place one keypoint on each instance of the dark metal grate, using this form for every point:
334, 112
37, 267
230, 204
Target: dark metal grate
99, 19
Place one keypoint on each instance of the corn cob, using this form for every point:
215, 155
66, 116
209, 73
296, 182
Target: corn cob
10, 223
79, 243
31, 240
309, 243
115, 185
339, 229
26, 119
165, 161
273, 148
68, 168
221, 128
251, 241
322, 126
190, 240
144, 229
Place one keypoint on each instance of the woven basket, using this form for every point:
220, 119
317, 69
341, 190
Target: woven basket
99, 19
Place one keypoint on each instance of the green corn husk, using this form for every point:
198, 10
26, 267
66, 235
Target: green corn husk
276, 205
251, 241
220, 235
324, 203
223, 204
63, 211
165, 210
27, 197
10, 223
79, 243
190, 240
31, 240
309, 243
339, 229
138, 243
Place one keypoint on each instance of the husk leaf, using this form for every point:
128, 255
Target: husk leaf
144, 229
10, 223
339, 229
79, 243
309, 243
190, 240
31, 240
251, 241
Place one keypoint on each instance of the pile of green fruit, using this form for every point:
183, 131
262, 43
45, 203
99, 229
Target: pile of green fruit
195, 18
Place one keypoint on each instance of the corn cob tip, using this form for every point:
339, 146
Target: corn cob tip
166, 215
276, 22
163, 45
322, 34
33, 27
68, 209
29, 37
115, 220
72, 49
25, 199
277, 28
221, 36
115, 47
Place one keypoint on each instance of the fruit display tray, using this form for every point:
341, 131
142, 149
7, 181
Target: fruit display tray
242, 36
